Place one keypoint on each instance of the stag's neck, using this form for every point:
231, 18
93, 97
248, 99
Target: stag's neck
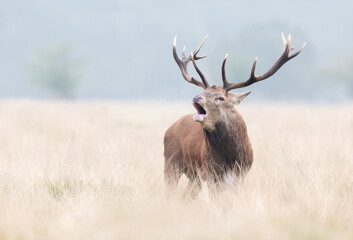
227, 143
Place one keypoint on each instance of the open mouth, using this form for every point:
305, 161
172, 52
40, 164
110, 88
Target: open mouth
201, 112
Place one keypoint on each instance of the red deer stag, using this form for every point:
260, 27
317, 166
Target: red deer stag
213, 144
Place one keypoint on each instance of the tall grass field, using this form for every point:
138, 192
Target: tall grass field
94, 170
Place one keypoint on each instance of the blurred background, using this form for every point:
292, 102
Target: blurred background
122, 50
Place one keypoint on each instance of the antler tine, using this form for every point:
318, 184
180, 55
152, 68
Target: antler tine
288, 48
224, 77
205, 83
183, 54
198, 49
183, 63
299, 51
285, 57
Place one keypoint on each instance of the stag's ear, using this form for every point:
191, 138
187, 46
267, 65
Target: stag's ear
238, 97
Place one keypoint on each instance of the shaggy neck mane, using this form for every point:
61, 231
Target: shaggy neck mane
226, 146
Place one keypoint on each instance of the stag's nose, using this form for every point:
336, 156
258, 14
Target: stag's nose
197, 98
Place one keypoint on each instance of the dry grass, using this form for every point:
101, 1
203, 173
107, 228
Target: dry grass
94, 171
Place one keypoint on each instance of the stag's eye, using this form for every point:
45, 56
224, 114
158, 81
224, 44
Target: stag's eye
220, 99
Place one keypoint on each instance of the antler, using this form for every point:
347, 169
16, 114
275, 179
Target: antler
183, 63
285, 57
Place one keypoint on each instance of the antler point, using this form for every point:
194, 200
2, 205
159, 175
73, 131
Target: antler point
301, 49
284, 39
289, 39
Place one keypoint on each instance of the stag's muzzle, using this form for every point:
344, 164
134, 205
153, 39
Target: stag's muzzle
201, 112
197, 98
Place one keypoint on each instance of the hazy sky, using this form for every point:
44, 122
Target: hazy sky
125, 46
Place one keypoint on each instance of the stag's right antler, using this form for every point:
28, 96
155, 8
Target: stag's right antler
285, 57
183, 63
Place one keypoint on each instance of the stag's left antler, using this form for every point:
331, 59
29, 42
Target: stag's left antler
183, 64
285, 57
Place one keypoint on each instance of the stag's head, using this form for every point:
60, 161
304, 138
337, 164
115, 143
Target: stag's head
216, 103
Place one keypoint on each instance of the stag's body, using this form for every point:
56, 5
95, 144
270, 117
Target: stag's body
212, 156
212, 145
